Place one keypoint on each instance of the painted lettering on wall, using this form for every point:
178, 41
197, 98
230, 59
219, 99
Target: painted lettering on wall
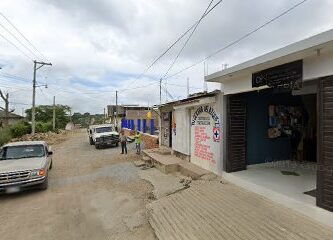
201, 149
208, 109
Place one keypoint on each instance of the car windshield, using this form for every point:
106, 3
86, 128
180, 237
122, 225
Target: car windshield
104, 129
24, 151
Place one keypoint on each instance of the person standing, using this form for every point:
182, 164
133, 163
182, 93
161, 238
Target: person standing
138, 142
123, 142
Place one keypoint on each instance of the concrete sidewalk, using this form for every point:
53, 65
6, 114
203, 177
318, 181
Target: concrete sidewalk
215, 210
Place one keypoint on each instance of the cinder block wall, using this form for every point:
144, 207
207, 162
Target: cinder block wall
149, 141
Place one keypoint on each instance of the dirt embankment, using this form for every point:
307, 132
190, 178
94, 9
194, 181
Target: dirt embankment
50, 137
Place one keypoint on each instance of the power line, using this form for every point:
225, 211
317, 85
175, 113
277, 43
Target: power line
173, 44
239, 39
188, 39
33, 46
18, 40
14, 45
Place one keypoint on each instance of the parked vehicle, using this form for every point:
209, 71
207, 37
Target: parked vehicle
103, 135
24, 165
90, 131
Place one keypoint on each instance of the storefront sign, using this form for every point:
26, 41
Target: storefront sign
204, 121
287, 76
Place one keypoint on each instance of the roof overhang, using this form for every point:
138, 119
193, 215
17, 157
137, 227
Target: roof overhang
312, 46
195, 102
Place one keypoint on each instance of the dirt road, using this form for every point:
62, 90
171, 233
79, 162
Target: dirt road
93, 194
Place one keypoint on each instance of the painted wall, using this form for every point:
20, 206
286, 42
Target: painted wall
260, 148
165, 137
313, 67
206, 150
181, 135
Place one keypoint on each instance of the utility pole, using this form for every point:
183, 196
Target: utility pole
117, 109
161, 91
6, 108
104, 116
37, 65
54, 114
188, 87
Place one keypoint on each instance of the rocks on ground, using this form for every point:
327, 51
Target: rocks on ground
50, 137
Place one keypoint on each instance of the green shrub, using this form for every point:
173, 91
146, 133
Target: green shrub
19, 129
5, 136
44, 127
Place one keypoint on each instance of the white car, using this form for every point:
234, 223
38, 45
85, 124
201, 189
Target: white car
24, 165
103, 135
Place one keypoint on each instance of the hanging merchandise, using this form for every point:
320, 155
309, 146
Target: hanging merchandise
283, 120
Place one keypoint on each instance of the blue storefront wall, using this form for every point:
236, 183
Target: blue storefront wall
260, 148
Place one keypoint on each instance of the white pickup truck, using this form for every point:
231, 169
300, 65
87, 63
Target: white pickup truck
24, 165
103, 135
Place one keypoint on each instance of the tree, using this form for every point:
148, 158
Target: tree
6, 108
44, 113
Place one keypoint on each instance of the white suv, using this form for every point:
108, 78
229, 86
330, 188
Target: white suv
24, 165
103, 135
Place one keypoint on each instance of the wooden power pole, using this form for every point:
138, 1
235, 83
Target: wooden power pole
6, 108
33, 111
54, 114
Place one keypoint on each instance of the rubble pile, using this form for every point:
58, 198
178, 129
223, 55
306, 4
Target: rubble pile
49, 137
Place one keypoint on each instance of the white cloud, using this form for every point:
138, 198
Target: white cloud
107, 43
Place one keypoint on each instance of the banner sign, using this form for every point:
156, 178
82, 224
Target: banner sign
288, 76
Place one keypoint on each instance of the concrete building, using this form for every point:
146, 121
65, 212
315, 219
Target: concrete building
277, 124
12, 118
130, 113
191, 128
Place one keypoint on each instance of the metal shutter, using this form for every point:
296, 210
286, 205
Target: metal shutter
325, 144
236, 134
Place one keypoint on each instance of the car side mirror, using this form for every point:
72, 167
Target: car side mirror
50, 153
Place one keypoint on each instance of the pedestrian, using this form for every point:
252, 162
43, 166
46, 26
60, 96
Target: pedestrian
138, 142
123, 142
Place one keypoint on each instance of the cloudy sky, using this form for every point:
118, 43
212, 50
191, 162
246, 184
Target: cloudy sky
98, 47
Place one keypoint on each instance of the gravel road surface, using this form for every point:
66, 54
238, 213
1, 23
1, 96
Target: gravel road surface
92, 194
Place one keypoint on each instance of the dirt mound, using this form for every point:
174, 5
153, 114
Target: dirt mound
49, 137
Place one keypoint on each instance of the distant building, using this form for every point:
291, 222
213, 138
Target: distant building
130, 112
12, 118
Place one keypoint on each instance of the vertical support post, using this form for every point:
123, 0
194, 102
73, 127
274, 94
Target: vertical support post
139, 124
144, 125
161, 91
132, 124
54, 114
33, 111
117, 108
152, 127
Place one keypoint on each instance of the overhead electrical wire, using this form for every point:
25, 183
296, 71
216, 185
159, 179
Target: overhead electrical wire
15, 46
22, 35
183, 47
173, 44
188, 39
18, 40
239, 39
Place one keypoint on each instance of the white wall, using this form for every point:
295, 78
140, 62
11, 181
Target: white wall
315, 66
205, 152
318, 66
181, 135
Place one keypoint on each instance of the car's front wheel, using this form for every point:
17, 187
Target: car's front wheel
45, 184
